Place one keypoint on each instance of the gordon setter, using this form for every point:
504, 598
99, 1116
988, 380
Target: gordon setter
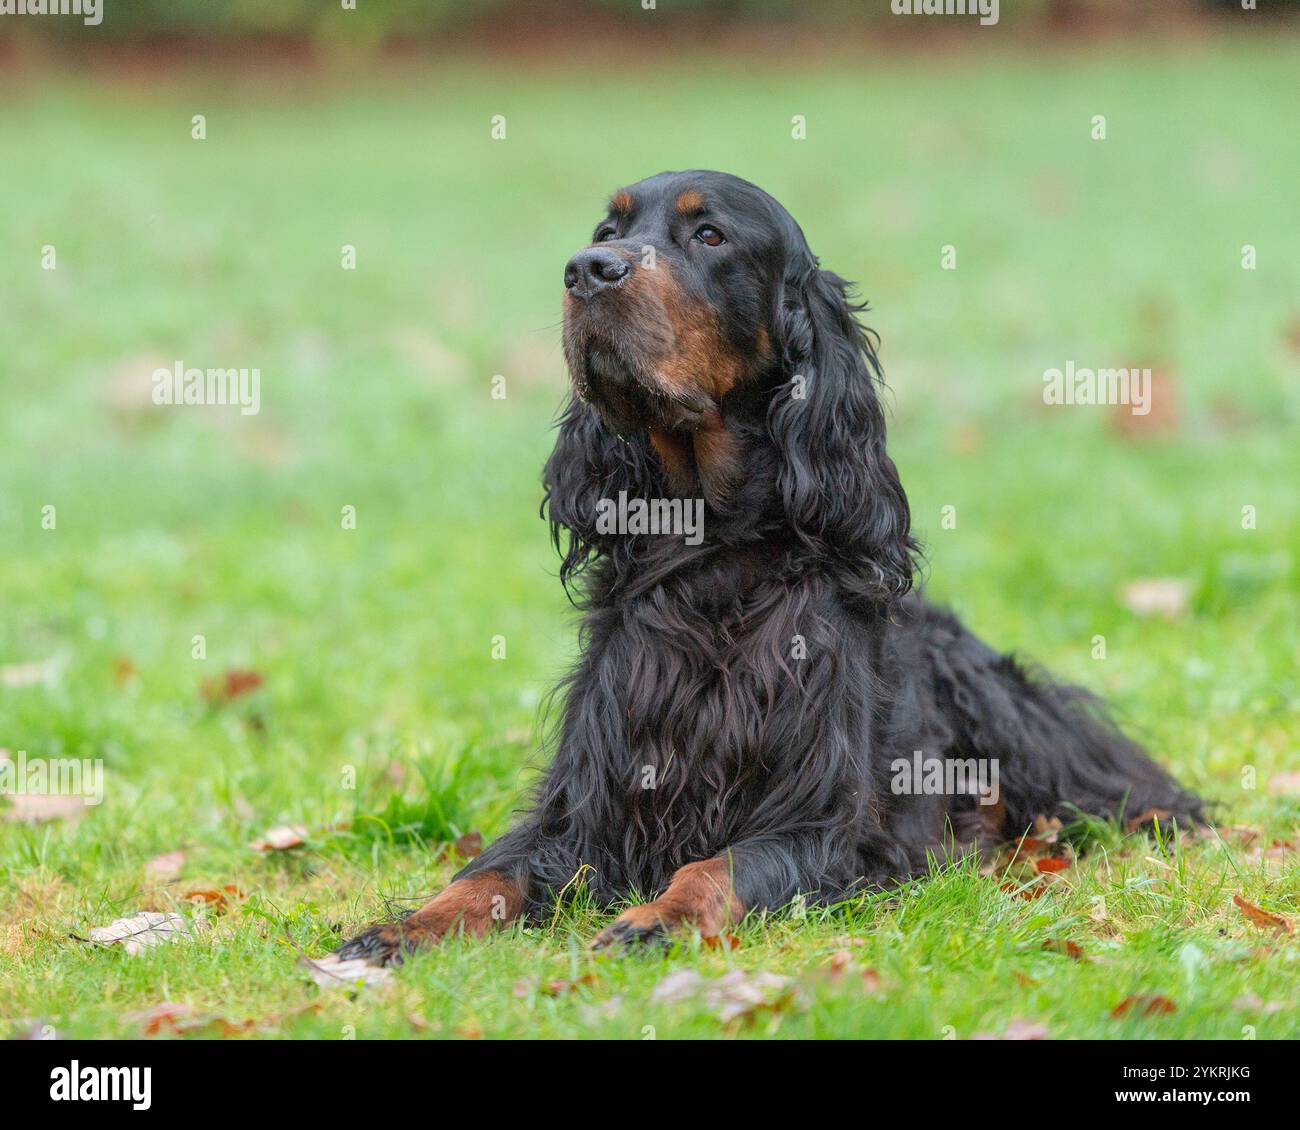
733, 732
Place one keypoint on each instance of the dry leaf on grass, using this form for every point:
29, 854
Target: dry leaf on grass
139, 932
841, 962
1157, 596
1017, 1029
230, 685
184, 1020
737, 996
560, 987
1251, 1002
1277, 849
332, 972
1143, 1004
217, 900
1032, 890
1030, 863
41, 808
465, 847
1284, 784
598, 1011
1046, 828
165, 866
281, 839
42, 671
1243, 834
1162, 417
1066, 947
1264, 919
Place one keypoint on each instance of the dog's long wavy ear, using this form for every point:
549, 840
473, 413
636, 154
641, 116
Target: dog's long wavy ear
840, 489
589, 464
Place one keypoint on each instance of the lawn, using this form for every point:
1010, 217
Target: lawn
384, 726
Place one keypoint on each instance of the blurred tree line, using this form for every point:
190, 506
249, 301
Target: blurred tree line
378, 22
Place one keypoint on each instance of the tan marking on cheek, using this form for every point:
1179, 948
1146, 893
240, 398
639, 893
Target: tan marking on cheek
701, 359
689, 203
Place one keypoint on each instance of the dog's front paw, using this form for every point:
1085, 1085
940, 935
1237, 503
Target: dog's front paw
385, 944
640, 927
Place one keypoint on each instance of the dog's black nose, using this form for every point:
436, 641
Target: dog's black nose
592, 270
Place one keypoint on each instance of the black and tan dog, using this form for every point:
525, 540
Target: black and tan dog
731, 732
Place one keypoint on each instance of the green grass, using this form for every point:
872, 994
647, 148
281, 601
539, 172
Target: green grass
375, 644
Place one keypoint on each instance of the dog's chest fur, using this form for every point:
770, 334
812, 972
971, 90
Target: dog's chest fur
717, 711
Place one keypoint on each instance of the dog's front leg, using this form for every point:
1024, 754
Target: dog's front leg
491, 892
762, 873
700, 896
474, 905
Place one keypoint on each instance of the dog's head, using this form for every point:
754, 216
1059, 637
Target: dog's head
706, 344
668, 309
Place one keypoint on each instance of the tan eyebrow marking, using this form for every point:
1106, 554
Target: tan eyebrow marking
690, 203
621, 202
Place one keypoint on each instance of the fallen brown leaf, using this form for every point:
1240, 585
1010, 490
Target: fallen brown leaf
1264, 919
137, 933
1242, 834
559, 987
1143, 1004
1064, 946
1017, 1029
1157, 596
230, 685
218, 900
1163, 416
32, 674
331, 972
165, 866
466, 847
1252, 1002
41, 808
1046, 828
1284, 784
1033, 890
183, 1020
838, 962
735, 998
281, 839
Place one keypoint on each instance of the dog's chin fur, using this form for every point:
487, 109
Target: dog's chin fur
629, 397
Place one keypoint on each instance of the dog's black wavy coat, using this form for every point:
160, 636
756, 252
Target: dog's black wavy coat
764, 680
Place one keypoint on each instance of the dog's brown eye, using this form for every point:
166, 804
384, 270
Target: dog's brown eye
709, 235
604, 234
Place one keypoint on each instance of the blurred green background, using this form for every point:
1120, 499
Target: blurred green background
375, 644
